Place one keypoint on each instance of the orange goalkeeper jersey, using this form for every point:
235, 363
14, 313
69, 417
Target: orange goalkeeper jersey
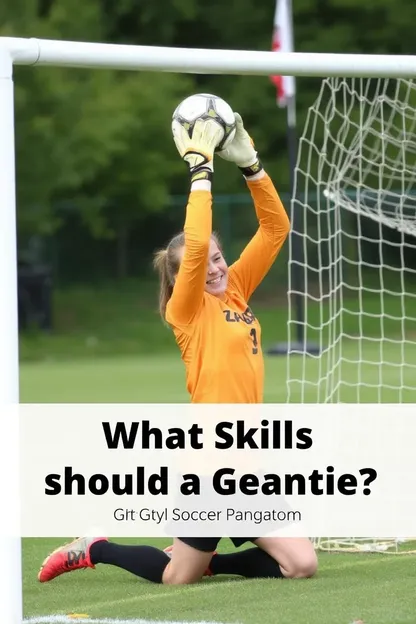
220, 338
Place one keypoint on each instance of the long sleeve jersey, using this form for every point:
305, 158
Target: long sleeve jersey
219, 337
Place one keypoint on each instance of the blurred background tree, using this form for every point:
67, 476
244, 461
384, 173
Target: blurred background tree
96, 164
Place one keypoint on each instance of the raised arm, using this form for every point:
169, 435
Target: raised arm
259, 255
257, 258
189, 284
188, 291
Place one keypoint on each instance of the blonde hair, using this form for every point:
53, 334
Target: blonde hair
166, 262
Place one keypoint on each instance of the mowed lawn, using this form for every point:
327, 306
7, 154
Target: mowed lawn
356, 372
375, 589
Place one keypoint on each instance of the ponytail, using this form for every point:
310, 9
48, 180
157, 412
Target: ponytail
160, 263
166, 262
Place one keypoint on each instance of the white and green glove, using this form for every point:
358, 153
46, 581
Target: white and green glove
241, 151
198, 150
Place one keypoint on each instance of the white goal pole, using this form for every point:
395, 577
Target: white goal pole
10, 548
187, 60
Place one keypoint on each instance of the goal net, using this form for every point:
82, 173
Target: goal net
356, 252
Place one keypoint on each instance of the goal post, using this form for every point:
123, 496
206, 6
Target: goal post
188, 60
326, 384
10, 545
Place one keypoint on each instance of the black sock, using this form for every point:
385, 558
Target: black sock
251, 563
144, 561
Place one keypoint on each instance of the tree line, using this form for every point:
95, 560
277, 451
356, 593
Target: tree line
94, 147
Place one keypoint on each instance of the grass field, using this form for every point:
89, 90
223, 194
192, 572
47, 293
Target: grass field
160, 378
120, 354
377, 589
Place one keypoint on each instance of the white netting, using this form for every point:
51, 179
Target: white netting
355, 187
389, 546
355, 252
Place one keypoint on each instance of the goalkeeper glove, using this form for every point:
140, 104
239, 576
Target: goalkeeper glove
198, 150
241, 151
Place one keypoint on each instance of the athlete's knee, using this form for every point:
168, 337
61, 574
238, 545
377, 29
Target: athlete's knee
304, 566
174, 576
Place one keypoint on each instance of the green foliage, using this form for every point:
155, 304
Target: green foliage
100, 141
97, 138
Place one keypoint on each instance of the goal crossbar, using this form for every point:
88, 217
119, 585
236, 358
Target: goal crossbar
32, 51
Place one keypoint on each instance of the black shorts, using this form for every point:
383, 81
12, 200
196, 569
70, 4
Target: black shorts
209, 544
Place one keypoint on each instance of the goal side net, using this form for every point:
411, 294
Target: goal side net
355, 185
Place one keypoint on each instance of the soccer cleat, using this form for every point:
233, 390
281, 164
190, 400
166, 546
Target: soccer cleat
207, 572
69, 557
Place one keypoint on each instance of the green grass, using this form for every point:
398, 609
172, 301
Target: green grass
378, 589
73, 364
161, 378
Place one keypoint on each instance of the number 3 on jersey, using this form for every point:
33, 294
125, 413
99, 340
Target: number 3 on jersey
253, 335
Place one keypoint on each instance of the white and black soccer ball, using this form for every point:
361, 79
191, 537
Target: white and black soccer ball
206, 106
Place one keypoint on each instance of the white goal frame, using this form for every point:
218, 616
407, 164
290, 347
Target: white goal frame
20, 51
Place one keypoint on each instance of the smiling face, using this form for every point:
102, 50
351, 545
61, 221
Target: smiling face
217, 271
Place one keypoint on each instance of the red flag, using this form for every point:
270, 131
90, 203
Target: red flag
283, 42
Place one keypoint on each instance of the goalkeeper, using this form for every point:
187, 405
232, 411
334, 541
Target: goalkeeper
205, 302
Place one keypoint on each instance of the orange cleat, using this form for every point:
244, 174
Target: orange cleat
72, 556
169, 549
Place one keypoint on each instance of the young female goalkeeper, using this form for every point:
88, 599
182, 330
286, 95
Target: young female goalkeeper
205, 304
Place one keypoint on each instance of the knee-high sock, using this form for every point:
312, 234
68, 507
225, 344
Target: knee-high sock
251, 563
144, 561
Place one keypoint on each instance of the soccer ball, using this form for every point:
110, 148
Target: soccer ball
204, 106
